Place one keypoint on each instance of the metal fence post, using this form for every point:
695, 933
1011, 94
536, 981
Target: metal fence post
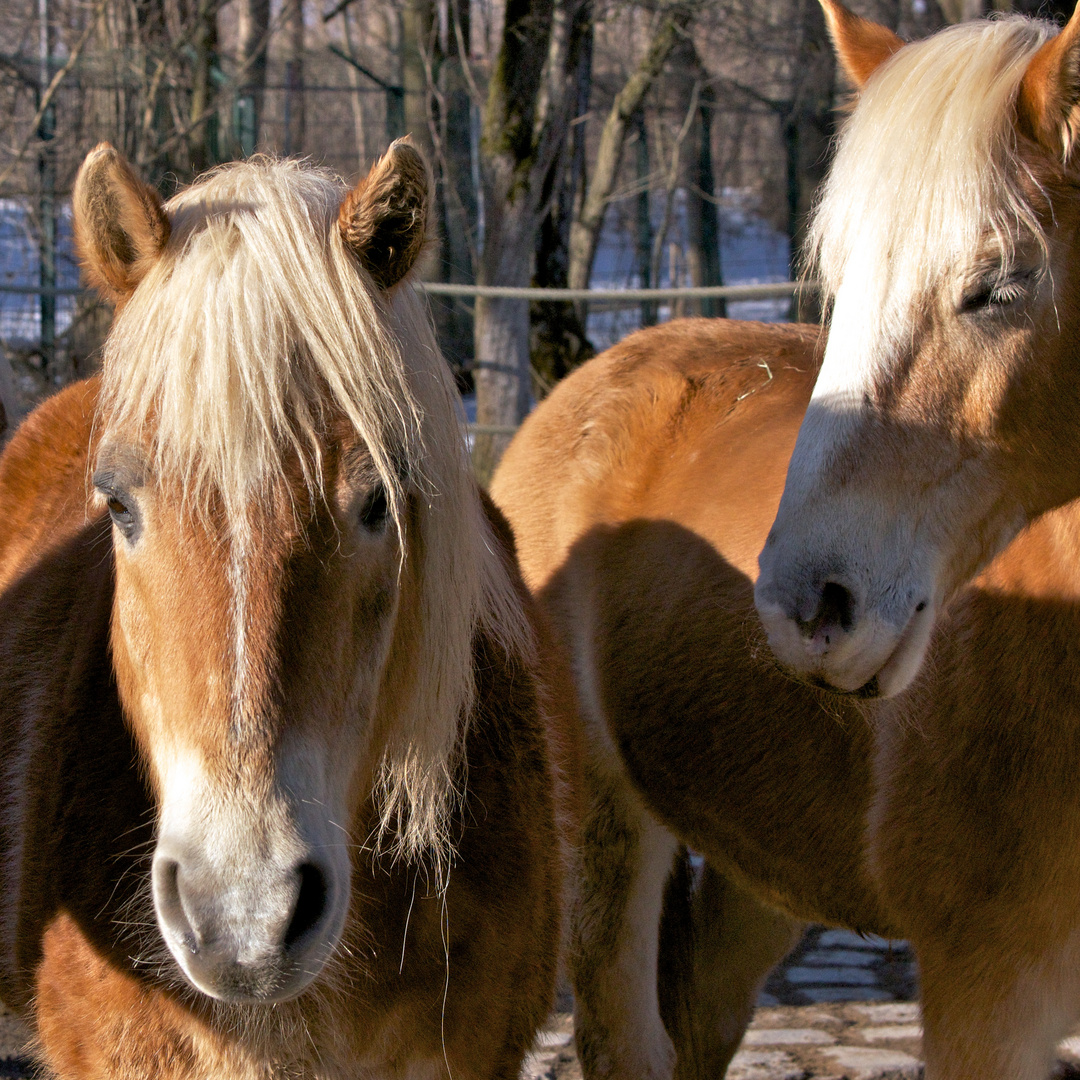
47, 208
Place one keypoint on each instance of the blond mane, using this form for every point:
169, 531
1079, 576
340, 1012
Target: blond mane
255, 321
927, 163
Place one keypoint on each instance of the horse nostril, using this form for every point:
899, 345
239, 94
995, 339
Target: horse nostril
835, 610
837, 606
170, 904
310, 903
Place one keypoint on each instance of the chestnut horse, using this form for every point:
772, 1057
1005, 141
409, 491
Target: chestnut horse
282, 792
935, 797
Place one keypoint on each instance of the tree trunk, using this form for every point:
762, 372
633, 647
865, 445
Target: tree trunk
204, 150
807, 133
458, 202
961, 10
253, 17
417, 44
702, 215
559, 342
643, 234
292, 19
530, 96
585, 232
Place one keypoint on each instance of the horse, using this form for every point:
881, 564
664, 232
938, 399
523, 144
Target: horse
286, 780
820, 589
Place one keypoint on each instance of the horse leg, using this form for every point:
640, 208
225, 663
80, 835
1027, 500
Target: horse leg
625, 860
718, 943
1000, 1017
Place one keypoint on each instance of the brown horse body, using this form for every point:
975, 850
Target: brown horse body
307, 933
640, 493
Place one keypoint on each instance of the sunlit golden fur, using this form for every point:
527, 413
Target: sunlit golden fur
944, 232
640, 492
225, 392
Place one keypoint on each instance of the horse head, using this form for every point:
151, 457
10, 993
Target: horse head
278, 449
945, 243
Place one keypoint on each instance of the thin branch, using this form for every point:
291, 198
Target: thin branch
337, 9
585, 229
463, 58
184, 130
177, 46
672, 177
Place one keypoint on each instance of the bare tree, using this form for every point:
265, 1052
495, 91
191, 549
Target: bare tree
530, 97
702, 216
292, 18
670, 27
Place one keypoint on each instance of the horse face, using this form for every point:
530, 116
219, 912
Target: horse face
250, 664
934, 430
256, 636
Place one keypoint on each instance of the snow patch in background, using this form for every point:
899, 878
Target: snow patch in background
20, 313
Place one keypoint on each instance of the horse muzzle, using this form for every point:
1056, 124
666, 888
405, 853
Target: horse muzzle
822, 632
259, 934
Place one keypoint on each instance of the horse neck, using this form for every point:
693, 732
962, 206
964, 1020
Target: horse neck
1043, 561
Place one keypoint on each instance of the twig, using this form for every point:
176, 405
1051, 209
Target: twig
672, 177
463, 57
176, 47
184, 131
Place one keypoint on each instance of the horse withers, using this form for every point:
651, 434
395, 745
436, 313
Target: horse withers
913, 509
284, 792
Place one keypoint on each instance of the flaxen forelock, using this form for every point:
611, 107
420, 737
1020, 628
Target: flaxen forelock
255, 320
926, 169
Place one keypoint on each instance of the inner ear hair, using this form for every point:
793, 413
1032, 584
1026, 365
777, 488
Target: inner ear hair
120, 223
383, 220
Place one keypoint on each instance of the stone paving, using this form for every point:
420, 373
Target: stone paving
840, 1007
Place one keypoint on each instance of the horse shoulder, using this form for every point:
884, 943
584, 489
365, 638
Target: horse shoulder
653, 596
44, 477
1043, 561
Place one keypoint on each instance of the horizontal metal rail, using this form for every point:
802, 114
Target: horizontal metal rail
768, 291
35, 290
493, 429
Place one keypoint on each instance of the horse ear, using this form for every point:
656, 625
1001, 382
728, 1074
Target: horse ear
120, 223
861, 45
1048, 106
383, 220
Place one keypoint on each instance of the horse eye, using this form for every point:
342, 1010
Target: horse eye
122, 516
375, 509
992, 293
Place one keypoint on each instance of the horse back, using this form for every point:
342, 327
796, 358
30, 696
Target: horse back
70, 796
44, 480
636, 431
